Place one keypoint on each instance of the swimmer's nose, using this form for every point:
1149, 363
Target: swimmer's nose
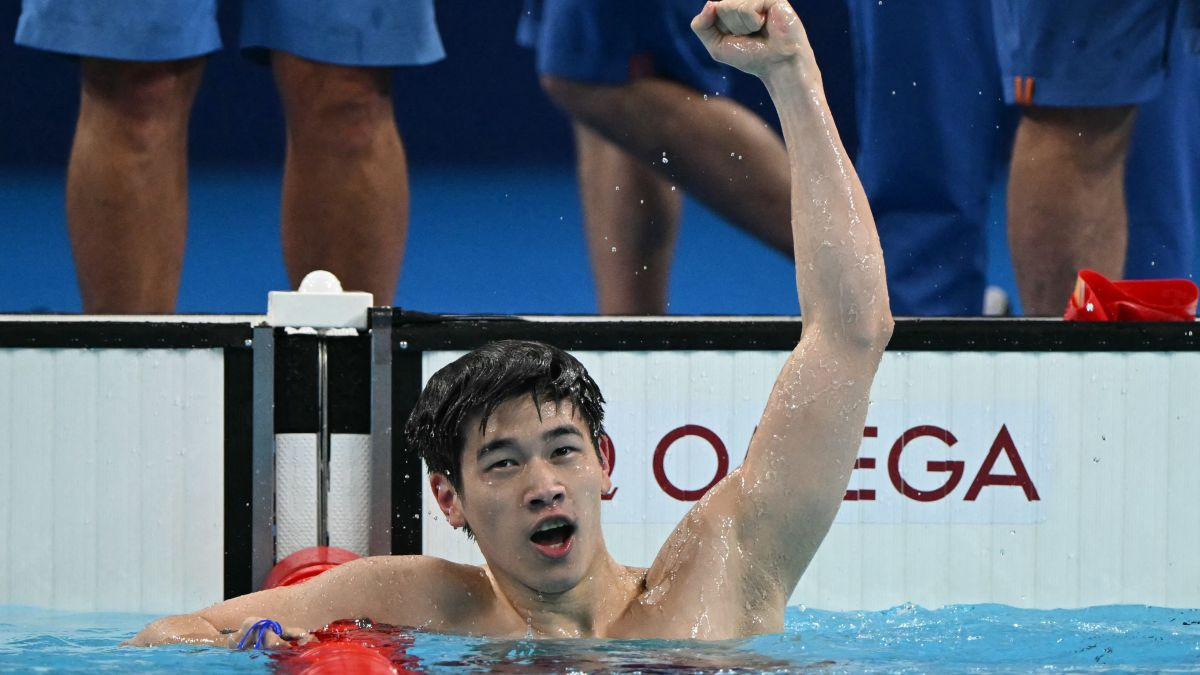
546, 490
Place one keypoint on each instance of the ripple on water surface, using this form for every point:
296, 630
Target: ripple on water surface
975, 638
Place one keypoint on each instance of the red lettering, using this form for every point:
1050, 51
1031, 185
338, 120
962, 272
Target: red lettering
953, 467
609, 452
660, 454
863, 463
1020, 478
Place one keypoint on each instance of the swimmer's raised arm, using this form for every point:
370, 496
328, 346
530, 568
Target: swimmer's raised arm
397, 590
772, 513
802, 453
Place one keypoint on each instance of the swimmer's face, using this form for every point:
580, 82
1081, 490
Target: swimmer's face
530, 489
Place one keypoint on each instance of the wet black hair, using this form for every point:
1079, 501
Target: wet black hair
478, 382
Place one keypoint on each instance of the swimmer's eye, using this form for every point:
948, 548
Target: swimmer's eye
502, 464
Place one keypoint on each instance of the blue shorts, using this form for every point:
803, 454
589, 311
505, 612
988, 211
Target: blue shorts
1088, 52
934, 135
616, 41
346, 32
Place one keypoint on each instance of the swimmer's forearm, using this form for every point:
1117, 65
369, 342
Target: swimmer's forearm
839, 264
179, 629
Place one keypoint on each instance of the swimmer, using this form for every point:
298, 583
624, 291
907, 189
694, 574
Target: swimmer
509, 433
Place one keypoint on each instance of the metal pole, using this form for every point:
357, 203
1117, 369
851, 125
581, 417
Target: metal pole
323, 443
262, 509
379, 541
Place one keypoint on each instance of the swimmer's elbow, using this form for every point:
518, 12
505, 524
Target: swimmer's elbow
882, 328
868, 332
872, 329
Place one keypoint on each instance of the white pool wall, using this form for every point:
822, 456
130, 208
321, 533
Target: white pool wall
111, 478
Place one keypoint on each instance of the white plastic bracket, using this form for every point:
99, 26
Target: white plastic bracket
320, 305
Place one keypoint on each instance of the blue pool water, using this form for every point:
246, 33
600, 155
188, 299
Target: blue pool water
907, 639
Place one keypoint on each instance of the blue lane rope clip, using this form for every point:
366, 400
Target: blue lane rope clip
259, 630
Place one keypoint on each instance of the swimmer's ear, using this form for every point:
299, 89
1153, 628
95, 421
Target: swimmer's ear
447, 499
607, 456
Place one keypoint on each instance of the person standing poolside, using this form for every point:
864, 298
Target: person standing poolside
648, 115
1079, 70
935, 133
345, 185
510, 435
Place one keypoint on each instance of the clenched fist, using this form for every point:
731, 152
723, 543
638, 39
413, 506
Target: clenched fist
754, 36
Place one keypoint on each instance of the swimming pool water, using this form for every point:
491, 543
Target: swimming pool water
908, 639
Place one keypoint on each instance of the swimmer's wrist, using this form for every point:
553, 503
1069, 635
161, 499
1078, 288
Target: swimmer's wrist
792, 78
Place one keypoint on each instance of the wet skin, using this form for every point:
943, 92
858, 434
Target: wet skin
534, 464
530, 467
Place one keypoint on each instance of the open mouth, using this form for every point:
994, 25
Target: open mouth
554, 537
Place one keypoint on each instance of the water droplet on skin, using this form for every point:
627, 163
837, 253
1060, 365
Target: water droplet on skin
614, 249
672, 188
706, 97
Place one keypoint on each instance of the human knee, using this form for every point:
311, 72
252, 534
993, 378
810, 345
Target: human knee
337, 108
145, 100
616, 109
1094, 139
581, 100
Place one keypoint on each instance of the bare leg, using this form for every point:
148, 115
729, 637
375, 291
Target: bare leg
631, 216
127, 183
716, 149
1066, 200
345, 183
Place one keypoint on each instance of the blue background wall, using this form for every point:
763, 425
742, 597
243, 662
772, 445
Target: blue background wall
495, 216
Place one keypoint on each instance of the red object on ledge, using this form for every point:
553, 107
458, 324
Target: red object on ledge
1097, 298
306, 564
